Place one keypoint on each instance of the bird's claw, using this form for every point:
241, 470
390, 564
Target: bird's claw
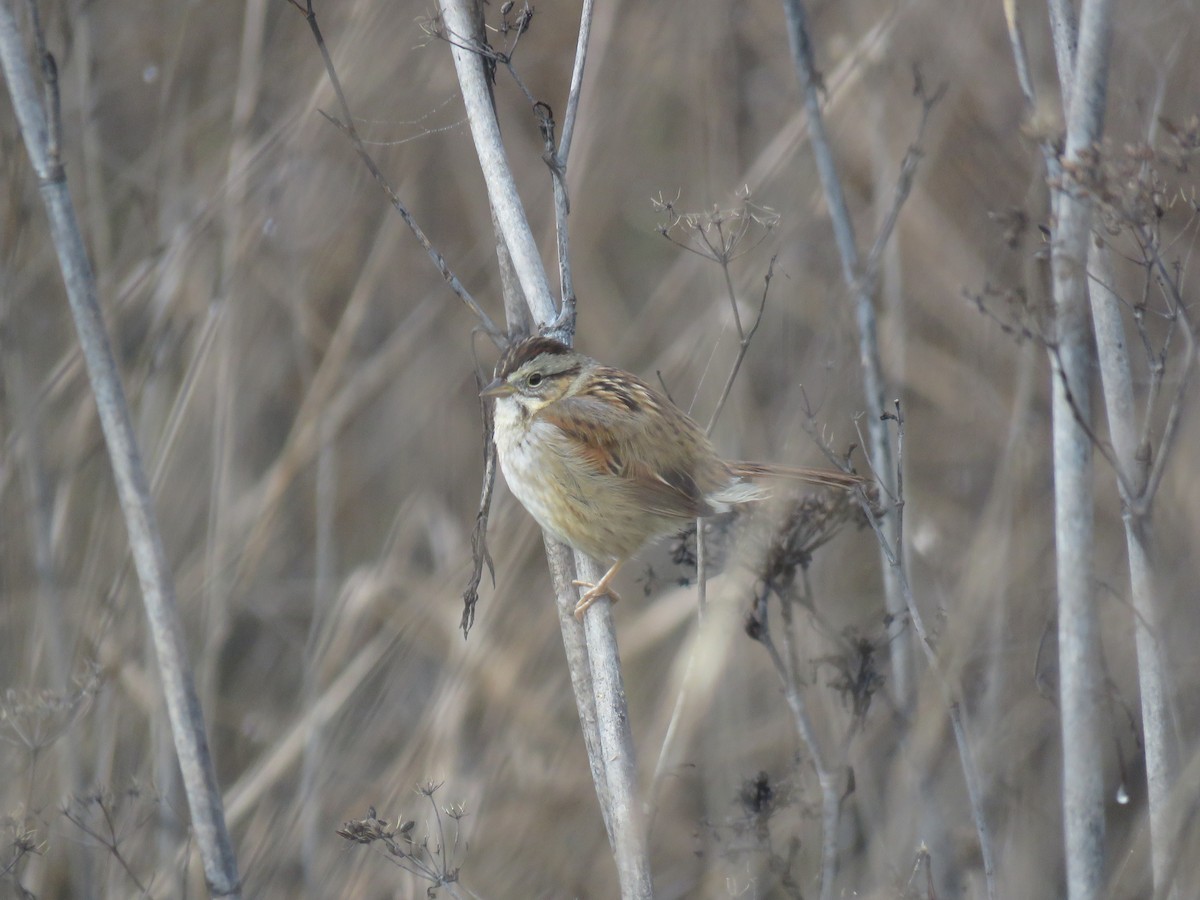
594, 593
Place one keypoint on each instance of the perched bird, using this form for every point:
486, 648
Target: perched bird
604, 462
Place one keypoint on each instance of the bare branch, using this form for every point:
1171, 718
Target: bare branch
158, 589
1141, 503
864, 313
346, 126
831, 783
743, 343
949, 693
904, 182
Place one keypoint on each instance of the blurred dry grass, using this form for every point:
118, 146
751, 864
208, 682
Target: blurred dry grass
303, 387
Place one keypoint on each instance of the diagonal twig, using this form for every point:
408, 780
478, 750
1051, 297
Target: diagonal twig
346, 126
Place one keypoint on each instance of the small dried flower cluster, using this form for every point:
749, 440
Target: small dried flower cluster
431, 857
370, 829
36, 719
857, 673
1128, 187
1183, 142
1011, 308
747, 835
1135, 189
717, 234
809, 522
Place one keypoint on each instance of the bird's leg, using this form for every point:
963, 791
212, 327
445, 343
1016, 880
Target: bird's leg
596, 591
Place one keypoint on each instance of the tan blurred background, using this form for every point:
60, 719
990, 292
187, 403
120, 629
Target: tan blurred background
303, 386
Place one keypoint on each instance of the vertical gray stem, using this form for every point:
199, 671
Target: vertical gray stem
616, 740
606, 707
882, 457
1116, 378
1081, 688
158, 590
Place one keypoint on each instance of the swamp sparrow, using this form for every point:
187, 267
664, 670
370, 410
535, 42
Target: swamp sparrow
604, 462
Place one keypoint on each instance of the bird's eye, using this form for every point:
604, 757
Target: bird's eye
534, 380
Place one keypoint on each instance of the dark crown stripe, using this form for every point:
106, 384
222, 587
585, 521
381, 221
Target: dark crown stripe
530, 348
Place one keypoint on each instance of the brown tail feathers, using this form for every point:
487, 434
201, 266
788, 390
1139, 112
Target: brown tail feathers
825, 477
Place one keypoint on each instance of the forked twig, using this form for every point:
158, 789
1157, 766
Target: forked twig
744, 339
1142, 501
904, 181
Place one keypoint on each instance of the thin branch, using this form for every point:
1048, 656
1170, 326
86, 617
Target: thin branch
701, 559
758, 628
576, 90
1082, 419
1141, 503
1016, 38
864, 312
564, 323
685, 683
76, 812
743, 341
346, 126
893, 555
949, 694
904, 182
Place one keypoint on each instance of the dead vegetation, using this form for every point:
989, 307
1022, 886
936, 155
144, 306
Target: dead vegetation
303, 386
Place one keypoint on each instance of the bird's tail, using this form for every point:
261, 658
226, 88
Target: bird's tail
824, 477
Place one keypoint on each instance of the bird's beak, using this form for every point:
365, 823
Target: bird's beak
497, 387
